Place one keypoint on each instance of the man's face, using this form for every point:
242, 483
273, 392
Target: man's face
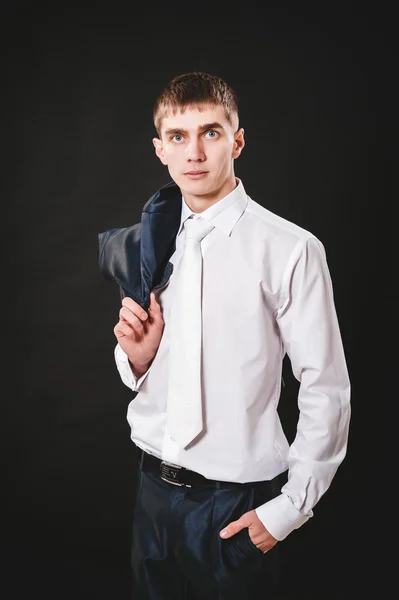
199, 148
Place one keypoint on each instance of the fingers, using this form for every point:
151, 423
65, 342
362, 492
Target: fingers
122, 329
130, 320
132, 313
153, 302
135, 308
155, 310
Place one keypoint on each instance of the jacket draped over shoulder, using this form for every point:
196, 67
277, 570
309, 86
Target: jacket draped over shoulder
137, 257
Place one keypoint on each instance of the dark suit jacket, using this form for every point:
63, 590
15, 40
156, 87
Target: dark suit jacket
137, 257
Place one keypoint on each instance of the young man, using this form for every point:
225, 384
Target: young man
220, 486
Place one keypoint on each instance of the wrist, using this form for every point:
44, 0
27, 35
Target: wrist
139, 368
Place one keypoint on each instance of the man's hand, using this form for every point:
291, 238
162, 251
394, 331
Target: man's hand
257, 531
139, 334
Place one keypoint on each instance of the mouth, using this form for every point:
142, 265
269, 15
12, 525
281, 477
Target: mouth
196, 174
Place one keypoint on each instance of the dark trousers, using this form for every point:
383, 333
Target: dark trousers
178, 554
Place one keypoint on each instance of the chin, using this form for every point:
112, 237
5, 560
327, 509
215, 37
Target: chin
195, 188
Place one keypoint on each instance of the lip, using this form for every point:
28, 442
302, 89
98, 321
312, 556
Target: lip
196, 174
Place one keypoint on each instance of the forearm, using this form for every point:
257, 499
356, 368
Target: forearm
317, 451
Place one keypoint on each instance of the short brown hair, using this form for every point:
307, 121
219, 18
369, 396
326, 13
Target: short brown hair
193, 89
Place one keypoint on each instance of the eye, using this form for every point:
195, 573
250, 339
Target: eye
177, 138
212, 133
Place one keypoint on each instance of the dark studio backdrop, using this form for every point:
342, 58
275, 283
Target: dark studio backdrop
80, 88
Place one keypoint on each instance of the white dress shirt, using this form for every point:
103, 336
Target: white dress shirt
267, 291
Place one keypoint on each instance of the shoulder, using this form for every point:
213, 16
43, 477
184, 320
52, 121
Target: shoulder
281, 240
273, 225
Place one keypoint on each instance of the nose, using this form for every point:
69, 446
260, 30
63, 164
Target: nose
195, 151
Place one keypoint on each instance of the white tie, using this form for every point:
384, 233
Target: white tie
184, 406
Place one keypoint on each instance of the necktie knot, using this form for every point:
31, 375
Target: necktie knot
197, 229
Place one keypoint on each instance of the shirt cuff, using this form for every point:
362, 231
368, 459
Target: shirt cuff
280, 517
125, 370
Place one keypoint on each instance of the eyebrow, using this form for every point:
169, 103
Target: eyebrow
201, 128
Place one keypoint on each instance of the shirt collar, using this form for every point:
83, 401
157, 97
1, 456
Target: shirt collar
224, 214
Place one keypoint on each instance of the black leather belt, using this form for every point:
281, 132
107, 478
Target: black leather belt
181, 476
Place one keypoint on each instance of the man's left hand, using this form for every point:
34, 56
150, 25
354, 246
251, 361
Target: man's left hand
257, 531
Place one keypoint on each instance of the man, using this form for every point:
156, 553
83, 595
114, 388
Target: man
265, 291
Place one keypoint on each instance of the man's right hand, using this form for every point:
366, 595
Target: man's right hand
139, 334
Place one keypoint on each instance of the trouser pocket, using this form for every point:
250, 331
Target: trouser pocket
236, 559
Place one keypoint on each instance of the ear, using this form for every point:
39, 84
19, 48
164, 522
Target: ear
159, 150
239, 142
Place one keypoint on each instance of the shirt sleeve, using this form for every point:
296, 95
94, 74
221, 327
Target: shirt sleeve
311, 336
125, 371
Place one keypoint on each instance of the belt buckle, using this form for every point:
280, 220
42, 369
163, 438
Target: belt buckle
170, 473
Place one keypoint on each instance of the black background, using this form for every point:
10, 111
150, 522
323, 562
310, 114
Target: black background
78, 159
